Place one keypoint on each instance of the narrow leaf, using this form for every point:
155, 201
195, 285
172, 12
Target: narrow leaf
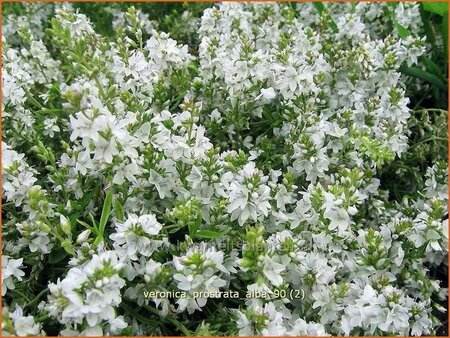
119, 210
83, 204
105, 212
402, 31
431, 66
94, 223
87, 226
424, 75
209, 234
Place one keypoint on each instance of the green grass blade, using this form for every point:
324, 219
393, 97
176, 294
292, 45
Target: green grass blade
106, 212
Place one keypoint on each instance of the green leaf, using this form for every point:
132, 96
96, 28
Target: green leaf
193, 227
402, 31
424, 75
429, 31
439, 8
319, 6
172, 231
106, 212
119, 210
209, 234
94, 223
87, 226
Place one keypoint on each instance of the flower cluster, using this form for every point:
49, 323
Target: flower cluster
264, 152
86, 297
198, 272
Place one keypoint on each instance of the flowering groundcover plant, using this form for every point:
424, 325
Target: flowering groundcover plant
228, 169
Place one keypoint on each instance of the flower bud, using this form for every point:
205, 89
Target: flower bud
45, 228
65, 225
83, 236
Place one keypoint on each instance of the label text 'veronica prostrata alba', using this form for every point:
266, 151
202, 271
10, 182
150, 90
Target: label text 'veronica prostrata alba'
275, 294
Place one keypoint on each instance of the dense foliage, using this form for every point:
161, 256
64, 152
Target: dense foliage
228, 169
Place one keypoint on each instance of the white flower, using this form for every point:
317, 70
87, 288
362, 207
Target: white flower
395, 319
268, 93
33, 237
10, 272
272, 270
78, 24
338, 216
302, 328
21, 325
50, 127
258, 320
246, 199
315, 268
315, 166
136, 235
15, 183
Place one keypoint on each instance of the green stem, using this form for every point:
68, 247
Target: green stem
434, 138
42, 317
173, 321
35, 299
42, 70
99, 85
130, 310
55, 232
21, 294
173, 226
32, 99
49, 111
436, 110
